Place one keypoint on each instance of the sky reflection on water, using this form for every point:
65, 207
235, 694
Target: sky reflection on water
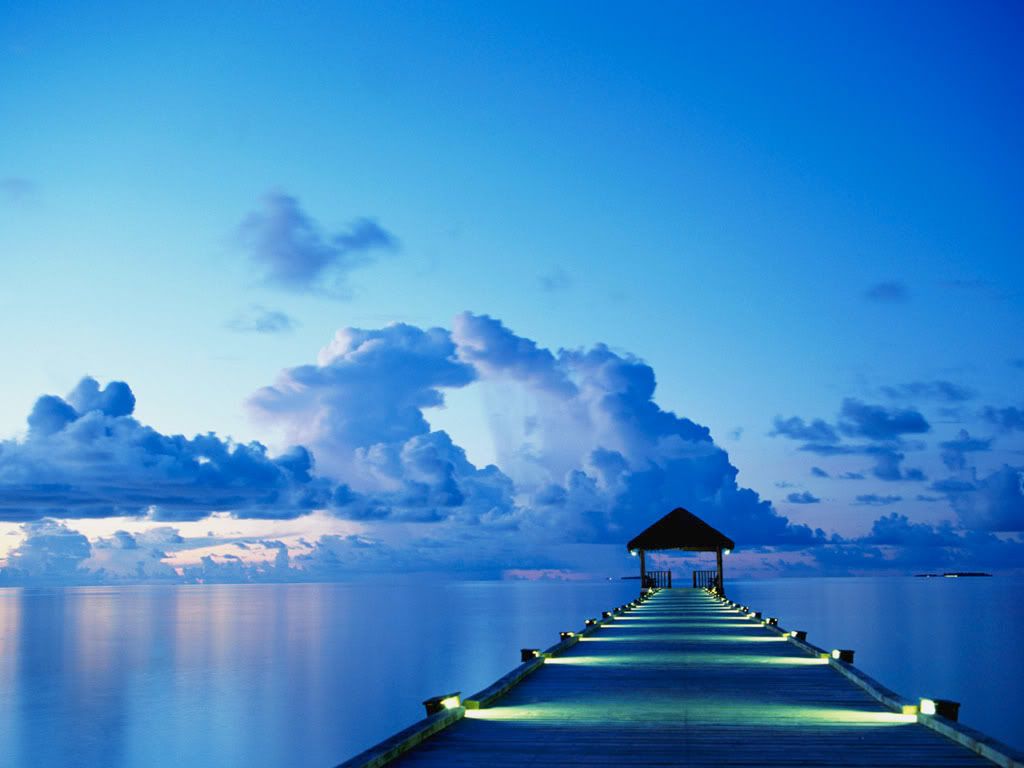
260, 675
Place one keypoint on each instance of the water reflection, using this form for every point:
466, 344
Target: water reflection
260, 675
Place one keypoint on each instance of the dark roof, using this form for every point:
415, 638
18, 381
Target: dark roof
680, 529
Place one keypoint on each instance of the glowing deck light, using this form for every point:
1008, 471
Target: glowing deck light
798, 634
441, 703
529, 654
606, 615
771, 621
726, 551
633, 552
843, 654
755, 614
941, 707
567, 635
591, 622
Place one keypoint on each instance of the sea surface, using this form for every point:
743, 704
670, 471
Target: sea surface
310, 674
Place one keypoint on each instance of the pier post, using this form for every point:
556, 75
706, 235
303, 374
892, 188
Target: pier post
721, 581
643, 570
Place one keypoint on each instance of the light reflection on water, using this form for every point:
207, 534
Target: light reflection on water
307, 675
949, 638
256, 675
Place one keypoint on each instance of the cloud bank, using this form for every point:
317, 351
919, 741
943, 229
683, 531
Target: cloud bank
583, 455
86, 456
589, 455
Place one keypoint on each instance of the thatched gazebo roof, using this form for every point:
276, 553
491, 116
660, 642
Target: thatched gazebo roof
681, 529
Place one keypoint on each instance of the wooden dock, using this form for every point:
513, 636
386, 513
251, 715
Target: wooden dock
684, 678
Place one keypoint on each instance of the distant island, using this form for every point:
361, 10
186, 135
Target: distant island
950, 575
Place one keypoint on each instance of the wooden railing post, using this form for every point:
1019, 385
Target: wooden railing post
721, 582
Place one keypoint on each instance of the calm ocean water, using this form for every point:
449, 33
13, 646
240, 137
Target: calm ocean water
954, 639
309, 674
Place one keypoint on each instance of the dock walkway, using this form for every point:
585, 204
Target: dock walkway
682, 679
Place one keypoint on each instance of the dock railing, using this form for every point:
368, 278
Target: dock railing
657, 580
705, 579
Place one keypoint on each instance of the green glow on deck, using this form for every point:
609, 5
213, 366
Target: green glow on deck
685, 637
696, 712
670, 658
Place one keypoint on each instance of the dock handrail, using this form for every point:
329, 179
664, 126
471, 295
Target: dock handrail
705, 579
657, 580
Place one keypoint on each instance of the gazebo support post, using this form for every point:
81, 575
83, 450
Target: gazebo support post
643, 570
721, 581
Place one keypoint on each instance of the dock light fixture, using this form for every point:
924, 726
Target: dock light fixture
798, 634
567, 635
726, 551
843, 654
941, 707
606, 615
771, 621
755, 615
441, 703
529, 654
633, 552
591, 622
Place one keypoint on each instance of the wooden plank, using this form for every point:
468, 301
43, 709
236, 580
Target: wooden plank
403, 741
493, 692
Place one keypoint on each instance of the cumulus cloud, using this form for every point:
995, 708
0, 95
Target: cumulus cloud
87, 456
954, 452
874, 499
259, 319
895, 544
888, 292
294, 253
817, 431
367, 388
889, 465
50, 552
804, 497
888, 460
1009, 419
856, 419
880, 431
585, 453
876, 422
991, 503
934, 390
126, 556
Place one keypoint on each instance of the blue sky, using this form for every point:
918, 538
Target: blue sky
779, 211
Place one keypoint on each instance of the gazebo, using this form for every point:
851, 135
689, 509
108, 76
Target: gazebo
681, 529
